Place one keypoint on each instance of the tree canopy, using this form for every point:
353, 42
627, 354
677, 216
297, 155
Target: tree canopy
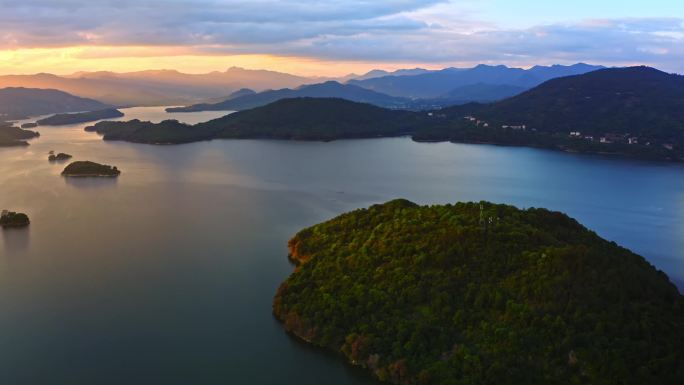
482, 293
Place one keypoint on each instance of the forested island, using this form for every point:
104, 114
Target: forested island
481, 293
52, 157
90, 169
14, 136
80, 117
166, 132
13, 219
320, 119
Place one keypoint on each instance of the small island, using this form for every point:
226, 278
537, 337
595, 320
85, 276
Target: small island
80, 117
13, 219
90, 169
11, 135
59, 157
29, 125
481, 293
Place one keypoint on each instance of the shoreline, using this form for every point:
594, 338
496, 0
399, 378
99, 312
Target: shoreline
620, 155
89, 176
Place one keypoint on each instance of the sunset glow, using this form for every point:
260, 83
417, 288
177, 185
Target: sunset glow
335, 38
68, 60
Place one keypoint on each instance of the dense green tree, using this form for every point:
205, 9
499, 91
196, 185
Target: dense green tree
90, 169
479, 293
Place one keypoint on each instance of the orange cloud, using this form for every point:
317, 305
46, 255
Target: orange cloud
137, 58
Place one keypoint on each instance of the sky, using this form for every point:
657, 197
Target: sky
334, 37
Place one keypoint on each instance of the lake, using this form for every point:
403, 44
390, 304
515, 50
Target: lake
166, 274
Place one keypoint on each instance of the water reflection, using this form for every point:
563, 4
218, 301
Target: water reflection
16, 240
90, 183
59, 161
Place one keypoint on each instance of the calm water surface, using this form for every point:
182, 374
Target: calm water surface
166, 275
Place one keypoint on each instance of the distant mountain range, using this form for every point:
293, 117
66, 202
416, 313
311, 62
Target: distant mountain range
435, 84
169, 87
330, 89
155, 88
380, 73
479, 84
19, 103
241, 92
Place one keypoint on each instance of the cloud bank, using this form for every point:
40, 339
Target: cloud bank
426, 31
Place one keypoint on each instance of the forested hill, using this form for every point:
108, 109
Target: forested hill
298, 119
641, 101
479, 293
434, 84
315, 119
20, 103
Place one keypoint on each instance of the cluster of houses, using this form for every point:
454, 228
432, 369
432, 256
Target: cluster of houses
615, 138
477, 121
521, 127
482, 123
607, 138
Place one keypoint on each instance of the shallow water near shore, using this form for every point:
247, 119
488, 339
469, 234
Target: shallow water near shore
165, 275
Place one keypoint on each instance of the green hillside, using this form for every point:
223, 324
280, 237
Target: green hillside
479, 293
